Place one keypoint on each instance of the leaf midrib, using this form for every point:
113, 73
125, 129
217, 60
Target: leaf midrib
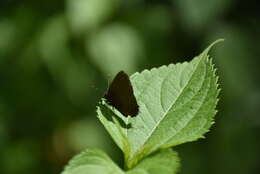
159, 121
204, 98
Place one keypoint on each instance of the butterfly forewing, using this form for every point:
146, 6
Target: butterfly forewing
120, 95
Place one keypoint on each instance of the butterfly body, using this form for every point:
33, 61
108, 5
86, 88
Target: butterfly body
120, 95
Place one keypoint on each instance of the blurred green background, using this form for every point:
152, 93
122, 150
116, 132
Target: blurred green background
57, 57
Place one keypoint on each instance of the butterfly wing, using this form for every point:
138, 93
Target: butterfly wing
121, 95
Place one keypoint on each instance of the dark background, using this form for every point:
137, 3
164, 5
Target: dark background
57, 57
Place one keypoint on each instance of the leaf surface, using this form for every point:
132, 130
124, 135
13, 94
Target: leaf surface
164, 161
176, 105
92, 162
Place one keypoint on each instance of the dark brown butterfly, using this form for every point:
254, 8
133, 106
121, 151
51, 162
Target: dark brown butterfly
120, 95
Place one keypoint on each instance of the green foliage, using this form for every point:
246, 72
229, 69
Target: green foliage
57, 58
199, 14
91, 162
97, 162
164, 161
176, 105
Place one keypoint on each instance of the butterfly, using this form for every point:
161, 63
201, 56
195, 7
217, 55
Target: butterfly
120, 95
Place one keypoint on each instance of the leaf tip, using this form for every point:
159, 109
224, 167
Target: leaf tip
215, 42
212, 44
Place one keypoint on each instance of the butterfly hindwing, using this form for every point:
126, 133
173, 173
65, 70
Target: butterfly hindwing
120, 95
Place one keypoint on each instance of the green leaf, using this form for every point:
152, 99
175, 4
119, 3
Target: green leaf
92, 162
97, 162
176, 105
164, 161
111, 119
